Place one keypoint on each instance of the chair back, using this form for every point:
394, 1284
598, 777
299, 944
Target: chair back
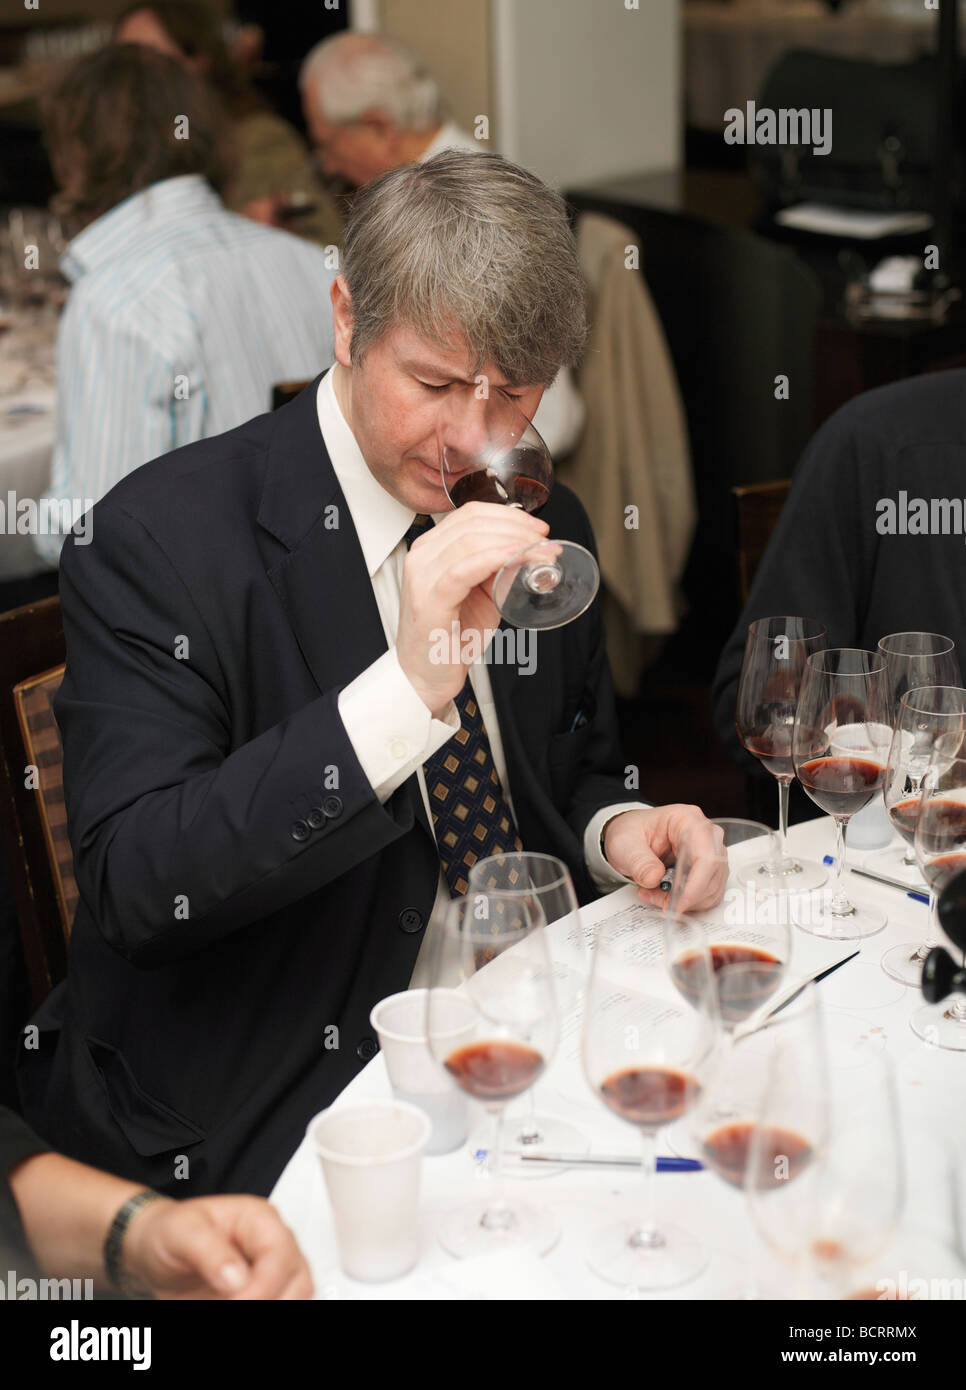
32, 809
759, 506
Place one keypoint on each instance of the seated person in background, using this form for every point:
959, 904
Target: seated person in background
56, 1215
266, 821
370, 106
273, 161
872, 539
181, 315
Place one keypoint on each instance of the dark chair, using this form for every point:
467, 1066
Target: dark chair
738, 312
285, 391
32, 807
759, 507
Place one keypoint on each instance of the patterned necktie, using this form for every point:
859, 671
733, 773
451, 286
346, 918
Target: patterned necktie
471, 816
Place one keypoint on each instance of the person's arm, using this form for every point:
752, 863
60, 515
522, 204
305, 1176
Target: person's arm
121, 401
227, 1247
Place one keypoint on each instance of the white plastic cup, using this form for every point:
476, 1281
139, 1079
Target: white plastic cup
414, 1074
371, 1154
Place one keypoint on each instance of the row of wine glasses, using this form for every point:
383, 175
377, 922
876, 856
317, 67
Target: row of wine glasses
665, 1036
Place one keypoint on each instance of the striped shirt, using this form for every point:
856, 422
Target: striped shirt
181, 318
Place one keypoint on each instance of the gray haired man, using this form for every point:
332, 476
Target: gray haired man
272, 787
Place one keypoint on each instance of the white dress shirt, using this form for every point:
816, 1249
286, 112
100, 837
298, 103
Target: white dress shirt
391, 730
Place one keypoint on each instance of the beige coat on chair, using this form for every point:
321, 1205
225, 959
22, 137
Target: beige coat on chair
633, 453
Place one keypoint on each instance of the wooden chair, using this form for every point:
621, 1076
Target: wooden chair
759, 506
285, 391
32, 809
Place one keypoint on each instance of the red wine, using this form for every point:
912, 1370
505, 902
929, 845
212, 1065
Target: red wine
773, 748
649, 1096
495, 1070
904, 815
688, 974
841, 785
782, 1154
481, 487
938, 872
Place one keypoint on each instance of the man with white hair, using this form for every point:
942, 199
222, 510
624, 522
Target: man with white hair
370, 107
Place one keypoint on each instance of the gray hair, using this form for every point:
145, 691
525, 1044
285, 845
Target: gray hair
350, 74
468, 245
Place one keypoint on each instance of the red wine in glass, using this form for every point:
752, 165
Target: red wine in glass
737, 1003
841, 786
490, 452
494, 1070
649, 1096
904, 815
726, 1151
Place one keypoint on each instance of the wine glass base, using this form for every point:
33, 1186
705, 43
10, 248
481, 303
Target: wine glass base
891, 863
903, 963
679, 1258
794, 876
813, 915
938, 1026
463, 1234
552, 1136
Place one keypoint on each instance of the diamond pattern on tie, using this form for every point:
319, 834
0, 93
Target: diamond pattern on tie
471, 816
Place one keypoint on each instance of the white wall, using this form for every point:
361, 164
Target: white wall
587, 89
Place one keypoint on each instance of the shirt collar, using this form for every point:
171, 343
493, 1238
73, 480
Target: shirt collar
381, 520
117, 232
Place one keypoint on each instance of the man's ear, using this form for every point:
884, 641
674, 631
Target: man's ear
341, 319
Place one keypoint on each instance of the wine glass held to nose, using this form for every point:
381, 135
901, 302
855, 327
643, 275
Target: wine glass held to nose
490, 452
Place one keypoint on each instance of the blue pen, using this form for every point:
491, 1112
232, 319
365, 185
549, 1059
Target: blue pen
881, 878
664, 1164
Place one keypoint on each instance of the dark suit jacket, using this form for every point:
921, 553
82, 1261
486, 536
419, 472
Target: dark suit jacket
235, 903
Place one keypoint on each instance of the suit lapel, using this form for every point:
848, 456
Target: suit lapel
322, 580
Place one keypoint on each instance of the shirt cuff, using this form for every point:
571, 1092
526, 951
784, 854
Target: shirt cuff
389, 727
599, 869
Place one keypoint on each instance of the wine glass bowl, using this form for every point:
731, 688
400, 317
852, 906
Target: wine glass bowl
940, 844
646, 1054
494, 950
840, 743
776, 650
929, 731
491, 452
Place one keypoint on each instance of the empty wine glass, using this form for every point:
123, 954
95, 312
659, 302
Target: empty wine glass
490, 452
915, 659
497, 952
547, 881
776, 650
646, 1054
840, 746
929, 718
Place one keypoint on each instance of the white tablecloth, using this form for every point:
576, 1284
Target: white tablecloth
863, 1006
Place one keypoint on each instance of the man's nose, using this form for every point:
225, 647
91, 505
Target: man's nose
467, 427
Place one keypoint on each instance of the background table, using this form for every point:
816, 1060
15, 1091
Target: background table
863, 1006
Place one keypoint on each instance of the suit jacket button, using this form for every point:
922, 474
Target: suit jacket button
332, 806
410, 920
367, 1049
316, 818
299, 830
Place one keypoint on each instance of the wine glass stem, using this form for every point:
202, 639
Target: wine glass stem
932, 938
498, 1216
840, 905
784, 787
647, 1236
529, 1129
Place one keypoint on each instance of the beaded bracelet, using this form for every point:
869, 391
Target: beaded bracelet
115, 1239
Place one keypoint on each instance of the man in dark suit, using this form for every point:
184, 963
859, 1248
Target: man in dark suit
273, 769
